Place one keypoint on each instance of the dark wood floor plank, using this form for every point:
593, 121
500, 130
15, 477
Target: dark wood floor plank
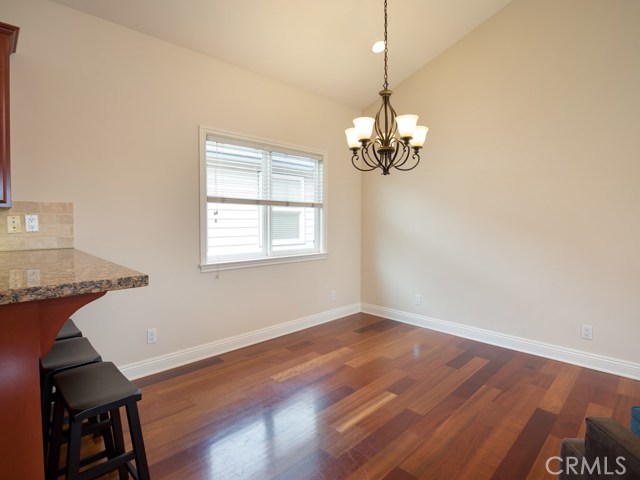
622, 408
449, 385
557, 393
519, 366
574, 408
175, 372
387, 433
385, 461
507, 416
539, 470
399, 474
378, 326
368, 398
524, 451
447, 467
437, 442
483, 375
628, 387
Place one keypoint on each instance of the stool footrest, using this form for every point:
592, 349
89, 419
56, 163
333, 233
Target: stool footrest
106, 467
87, 461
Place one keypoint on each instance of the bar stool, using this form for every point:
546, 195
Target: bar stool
68, 330
88, 393
65, 354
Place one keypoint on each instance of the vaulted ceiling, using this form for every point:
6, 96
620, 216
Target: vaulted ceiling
322, 46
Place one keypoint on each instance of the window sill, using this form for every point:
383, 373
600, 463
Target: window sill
216, 267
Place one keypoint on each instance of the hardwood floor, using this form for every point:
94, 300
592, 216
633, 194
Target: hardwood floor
369, 398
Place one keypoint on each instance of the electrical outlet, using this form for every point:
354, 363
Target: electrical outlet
13, 224
31, 223
332, 295
152, 335
587, 332
33, 277
418, 299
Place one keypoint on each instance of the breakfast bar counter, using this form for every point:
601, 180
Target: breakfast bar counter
39, 290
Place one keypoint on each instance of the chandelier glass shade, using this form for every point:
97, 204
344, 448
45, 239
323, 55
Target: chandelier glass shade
388, 140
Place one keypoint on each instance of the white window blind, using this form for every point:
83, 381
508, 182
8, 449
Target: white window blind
243, 174
261, 201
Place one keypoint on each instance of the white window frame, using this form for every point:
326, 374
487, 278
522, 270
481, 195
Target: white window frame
206, 265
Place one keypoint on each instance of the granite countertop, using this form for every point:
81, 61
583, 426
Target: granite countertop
29, 275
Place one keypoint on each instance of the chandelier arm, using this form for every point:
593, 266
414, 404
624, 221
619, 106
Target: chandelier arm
416, 157
353, 162
366, 157
406, 150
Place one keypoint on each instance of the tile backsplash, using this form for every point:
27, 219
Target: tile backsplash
55, 226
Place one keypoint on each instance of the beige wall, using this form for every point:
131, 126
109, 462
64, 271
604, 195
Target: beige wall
108, 119
524, 217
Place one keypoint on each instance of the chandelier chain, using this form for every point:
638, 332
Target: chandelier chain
386, 50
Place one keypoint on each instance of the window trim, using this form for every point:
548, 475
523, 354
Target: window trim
266, 144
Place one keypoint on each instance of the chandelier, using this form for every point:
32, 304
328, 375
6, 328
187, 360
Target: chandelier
396, 136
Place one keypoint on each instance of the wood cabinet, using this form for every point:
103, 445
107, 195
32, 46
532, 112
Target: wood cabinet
8, 42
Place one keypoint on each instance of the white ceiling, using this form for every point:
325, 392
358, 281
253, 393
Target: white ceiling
322, 46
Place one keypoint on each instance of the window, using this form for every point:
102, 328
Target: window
261, 203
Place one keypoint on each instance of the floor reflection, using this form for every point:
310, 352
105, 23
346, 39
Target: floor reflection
263, 442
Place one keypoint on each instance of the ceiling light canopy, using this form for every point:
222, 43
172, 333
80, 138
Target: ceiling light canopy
396, 136
378, 47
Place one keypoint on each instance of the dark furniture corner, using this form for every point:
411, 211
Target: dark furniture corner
608, 451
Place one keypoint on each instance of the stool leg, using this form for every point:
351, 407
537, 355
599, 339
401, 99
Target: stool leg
106, 433
137, 441
53, 463
46, 398
118, 437
73, 450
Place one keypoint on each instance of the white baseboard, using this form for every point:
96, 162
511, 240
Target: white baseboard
589, 360
183, 357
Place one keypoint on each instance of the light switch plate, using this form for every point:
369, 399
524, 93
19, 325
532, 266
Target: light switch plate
13, 224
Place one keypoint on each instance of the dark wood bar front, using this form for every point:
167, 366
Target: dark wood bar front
39, 290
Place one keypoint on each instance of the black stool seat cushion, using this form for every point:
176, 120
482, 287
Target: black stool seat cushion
68, 330
94, 388
69, 353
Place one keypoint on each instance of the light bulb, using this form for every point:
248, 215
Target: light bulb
364, 127
419, 137
406, 125
352, 138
